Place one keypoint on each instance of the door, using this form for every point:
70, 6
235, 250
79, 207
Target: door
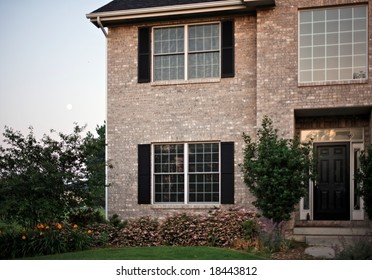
332, 190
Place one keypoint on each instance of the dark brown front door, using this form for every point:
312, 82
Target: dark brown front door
332, 191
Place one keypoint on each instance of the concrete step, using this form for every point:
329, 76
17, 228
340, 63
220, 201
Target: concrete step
329, 241
331, 231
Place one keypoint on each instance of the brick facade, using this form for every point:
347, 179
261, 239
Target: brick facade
216, 109
265, 83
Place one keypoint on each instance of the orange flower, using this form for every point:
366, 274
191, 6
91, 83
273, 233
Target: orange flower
24, 237
75, 226
40, 226
46, 227
41, 233
90, 232
59, 226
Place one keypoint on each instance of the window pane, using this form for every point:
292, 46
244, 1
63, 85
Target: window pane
306, 17
319, 27
203, 51
306, 40
332, 75
346, 13
346, 49
346, 25
319, 40
360, 12
332, 26
335, 41
346, 74
204, 178
305, 64
168, 173
318, 15
168, 48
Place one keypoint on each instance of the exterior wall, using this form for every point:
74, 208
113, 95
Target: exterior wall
279, 93
265, 83
149, 113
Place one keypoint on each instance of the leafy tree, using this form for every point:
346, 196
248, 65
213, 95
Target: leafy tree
364, 176
276, 171
93, 149
43, 180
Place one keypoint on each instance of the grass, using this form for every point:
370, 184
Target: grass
155, 253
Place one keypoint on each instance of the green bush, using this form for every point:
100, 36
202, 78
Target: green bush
117, 222
86, 216
364, 176
276, 171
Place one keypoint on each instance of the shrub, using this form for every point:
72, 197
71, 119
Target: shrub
117, 222
85, 216
103, 235
182, 230
140, 232
218, 228
276, 171
43, 240
364, 176
270, 236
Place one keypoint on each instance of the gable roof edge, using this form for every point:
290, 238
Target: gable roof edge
186, 9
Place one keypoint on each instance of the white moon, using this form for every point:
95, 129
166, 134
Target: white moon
69, 107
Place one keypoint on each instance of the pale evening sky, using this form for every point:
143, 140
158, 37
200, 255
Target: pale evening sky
52, 66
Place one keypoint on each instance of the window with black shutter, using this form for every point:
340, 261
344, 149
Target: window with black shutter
186, 52
186, 173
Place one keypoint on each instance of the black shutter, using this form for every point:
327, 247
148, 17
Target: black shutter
144, 174
227, 52
144, 55
227, 173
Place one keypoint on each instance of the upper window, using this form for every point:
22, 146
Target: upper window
186, 52
333, 44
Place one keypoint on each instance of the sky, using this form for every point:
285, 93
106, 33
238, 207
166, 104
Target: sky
52, 66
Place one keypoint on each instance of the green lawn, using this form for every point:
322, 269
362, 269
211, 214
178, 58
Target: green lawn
155, 253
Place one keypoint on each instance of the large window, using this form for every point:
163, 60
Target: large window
186, 52
333, 44
187, 173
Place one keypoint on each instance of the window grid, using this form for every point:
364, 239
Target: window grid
203, 172
199, 56
169, 173
196, 175
333, 44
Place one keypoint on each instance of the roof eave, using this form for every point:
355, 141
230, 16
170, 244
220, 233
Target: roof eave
107, 18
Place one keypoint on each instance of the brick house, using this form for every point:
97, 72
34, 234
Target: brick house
185, 79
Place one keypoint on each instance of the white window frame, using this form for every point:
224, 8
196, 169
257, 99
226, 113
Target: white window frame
186, 50
186, 174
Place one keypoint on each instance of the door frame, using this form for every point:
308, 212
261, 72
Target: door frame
356, 146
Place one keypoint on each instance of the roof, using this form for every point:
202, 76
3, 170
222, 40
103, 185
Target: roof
124, 11
117, 5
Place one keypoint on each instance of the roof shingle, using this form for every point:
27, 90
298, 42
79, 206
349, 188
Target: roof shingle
118, 5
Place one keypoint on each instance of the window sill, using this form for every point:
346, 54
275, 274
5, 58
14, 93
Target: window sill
184, 206
330, 83
185, 82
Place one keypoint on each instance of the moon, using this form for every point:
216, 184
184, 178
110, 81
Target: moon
69, 107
